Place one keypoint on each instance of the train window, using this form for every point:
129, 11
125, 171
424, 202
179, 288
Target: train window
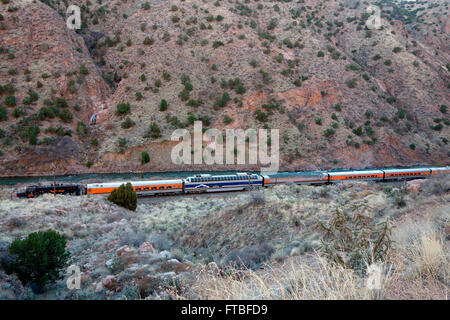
169, 187
154, 188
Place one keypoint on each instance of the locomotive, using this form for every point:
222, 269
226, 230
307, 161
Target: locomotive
239, 181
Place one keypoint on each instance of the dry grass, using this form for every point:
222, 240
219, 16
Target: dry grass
295, 280
420, 250
431, 258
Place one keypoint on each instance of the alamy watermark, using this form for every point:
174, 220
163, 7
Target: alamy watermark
374, 276
74, 280
73, 21
236, 151
374, 20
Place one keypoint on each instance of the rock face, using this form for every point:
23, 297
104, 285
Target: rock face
415, 185
341, 95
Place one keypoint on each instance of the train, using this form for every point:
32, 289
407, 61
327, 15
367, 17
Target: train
239, 181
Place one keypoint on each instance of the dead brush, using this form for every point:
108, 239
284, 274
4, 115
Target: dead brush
295, 280
421, 251
355, 241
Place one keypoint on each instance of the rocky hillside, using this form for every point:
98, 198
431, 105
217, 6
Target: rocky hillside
342, 95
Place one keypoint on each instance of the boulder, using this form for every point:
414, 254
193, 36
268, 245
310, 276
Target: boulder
146, 247
147, 285
166, 254
98, 287
122, 250
110, 282
177, 266
415, 186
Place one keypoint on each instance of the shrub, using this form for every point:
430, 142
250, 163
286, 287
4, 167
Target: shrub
82, 130
3, 113
163, 105
123, 108
127, 123
443, 108
184, 95
124, 196
32, 97
250, 257
329, 132
154, 131
66, 116
84, 70
227, 119
39, 258
217, 44
94, 142
355, 240
351, 83
261, 116
148, 41
10, 101
222, 102
145, 158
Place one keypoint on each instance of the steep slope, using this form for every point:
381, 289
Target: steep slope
341, 95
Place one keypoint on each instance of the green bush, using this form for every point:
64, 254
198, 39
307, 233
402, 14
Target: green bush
123, 108
3, 113
66, 116
10, 101
39, 258
148, 41
82, 130
163, 105
154, 131
145, 158
84, 70
127, 123
124, 196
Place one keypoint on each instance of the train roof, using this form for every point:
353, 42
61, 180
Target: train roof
407, 170
359, 172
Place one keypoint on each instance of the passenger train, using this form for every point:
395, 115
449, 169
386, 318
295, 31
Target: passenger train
236, 182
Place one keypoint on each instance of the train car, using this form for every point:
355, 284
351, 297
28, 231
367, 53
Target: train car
209, 183
373, 175
440, 170
403, 174
302, 178
142, 188
35, 190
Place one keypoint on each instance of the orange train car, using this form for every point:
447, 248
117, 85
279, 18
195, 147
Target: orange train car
356, 175
141, 187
